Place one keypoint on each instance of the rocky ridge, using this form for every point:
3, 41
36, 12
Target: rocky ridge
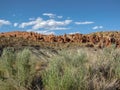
99, 39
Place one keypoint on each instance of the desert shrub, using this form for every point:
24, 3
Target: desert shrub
81, 69
15, 70
66, 72
7, 61
75, 70
23, 67
104, 73
112, 57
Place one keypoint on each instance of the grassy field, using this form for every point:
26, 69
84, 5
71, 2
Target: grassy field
69, 69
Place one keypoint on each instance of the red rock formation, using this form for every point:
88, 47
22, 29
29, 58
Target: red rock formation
101, 39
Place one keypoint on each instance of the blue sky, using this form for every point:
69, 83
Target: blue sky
59, 16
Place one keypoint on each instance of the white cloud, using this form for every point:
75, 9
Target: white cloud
50, 24
59, 16
42, 26
59, 28
50, 15
31, 23
84, 23
15, 24
74, 32
46, 32
97, 27
4, 22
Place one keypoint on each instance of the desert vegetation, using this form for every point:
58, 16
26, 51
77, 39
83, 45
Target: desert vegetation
15, 70
69, 69
84, 69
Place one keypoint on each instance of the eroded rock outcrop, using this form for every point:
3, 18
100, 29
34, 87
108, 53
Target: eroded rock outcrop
100, 39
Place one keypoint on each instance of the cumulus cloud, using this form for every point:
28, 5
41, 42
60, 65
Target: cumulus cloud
50, 15
84, 23
97, 27
31, 23
15, 24
4, 22
50, 24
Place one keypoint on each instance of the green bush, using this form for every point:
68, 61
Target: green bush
75, 70
66, 72
81, 69
15, 70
